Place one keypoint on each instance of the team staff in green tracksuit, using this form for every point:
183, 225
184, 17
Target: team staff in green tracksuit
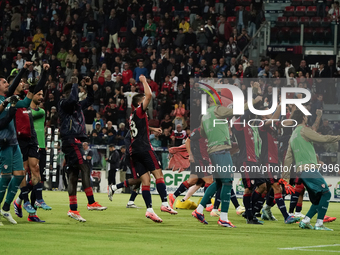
218, 148
301, 150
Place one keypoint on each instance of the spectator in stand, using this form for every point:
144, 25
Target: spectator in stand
52, 118
154, 139
110, 113
289, 68
127, 74
121, 111
108, 82
321, 8
166, 123
258, 7
231, 50
165, 101
165, 138
121, 133
265, 73
221, 69
334, 13
129, 96
20, 61
90, 115
37, 38
71, 57
140, 70
102, 73
167, 85
17, 36
178, 113
113, 29
178, 136
96, 120
319, 82
184, 25
303, 67
224, 29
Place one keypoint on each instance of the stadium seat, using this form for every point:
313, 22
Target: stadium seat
328, 35
237, 8
308, 34
246, 2
315, 22
154, 114
295, 34
156, 19
154, 123
293, 22
289, 11
122, 32
186, 9
281, 21
304, 21
239, 2
232, 21
319, 34
155, 9
300, 11
284, 34
329, 2
296, 2
308, 2
274, 32
247, 8
311, 11
326, 22
141, 9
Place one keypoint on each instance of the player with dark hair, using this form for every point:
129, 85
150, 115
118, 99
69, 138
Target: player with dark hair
27, 138
143, 158
73, 133
11, 165
301, 150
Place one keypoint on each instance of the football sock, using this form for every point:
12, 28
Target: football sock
33, 198
225, 197
217, 199
133, 195
312, 211
281, 205
259, 204
200, 208
18, 200
161, 188
298, 207
24, 193
150, 210
247, 205
4, 180
255, 198
209, 193
146, 196
13, 187
121, 185
319, 223
299, 188
182, 188
89, 195
38, 191
323, 205
224, 216
73, 203
270, 198
233, 199
306, 219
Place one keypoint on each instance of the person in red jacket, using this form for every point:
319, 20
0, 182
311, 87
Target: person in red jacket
153, 85
224, 29
126, 74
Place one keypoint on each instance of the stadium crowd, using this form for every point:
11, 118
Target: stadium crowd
168, 41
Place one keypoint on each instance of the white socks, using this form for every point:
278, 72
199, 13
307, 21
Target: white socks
214, 210
130, 202
114, 187
306, 220
165, 204
150, 210
18, 200
224, 216
319, 223
200, 208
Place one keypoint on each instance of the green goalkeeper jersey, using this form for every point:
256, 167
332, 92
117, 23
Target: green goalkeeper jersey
39, 125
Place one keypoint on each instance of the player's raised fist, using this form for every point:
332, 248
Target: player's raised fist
142, 78
46, 66
27, 64
258, 99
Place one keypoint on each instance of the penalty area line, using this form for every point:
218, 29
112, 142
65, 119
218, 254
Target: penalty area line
310, 248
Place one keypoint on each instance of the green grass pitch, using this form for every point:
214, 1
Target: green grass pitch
121, 231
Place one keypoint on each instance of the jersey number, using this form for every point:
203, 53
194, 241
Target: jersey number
134, 130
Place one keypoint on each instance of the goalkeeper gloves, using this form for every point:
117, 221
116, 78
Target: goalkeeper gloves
289, 188
32, 82
11, 100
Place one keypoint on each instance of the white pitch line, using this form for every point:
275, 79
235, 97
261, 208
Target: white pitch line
316, 250
308, 247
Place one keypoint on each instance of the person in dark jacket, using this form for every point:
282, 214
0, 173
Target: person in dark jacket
73, 133
113, 166
113, 27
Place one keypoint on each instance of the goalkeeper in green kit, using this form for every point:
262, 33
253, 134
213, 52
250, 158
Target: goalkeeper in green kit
301, 150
